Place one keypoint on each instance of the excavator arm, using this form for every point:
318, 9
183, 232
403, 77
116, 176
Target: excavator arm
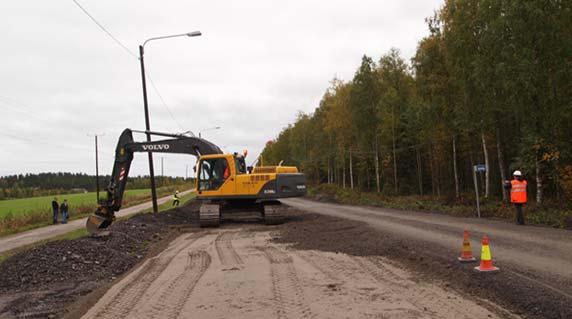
126, 146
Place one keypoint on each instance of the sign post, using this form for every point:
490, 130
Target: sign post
478, 168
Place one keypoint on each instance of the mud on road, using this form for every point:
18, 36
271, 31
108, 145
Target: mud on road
313, 266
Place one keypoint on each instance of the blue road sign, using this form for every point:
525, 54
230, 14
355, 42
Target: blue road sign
480, 168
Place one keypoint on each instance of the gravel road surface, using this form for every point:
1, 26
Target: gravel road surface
536, 262
241, 273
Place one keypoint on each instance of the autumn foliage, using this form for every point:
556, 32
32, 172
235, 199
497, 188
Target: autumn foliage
491, 83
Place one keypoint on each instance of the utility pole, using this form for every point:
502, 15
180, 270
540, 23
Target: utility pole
148, 129
145, 104
96, 166
187, 172
96, 170
162, 172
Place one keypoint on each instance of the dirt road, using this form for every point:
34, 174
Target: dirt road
35, 235
542, 255
239, 272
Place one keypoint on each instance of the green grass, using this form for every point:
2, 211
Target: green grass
169, 204
27, 205
83, 232
25, 214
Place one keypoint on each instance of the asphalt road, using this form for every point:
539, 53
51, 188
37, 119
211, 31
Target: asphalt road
38, 234
540, 254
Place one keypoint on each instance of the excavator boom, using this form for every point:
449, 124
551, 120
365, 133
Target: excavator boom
126, 146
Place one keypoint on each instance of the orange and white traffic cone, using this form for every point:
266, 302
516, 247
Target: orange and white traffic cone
466, 251
486, 258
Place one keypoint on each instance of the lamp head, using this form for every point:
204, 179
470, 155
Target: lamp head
194, 34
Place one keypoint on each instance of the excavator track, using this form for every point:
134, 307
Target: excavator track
209, 215
274, 213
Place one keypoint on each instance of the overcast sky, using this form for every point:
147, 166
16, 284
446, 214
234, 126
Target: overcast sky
257, 64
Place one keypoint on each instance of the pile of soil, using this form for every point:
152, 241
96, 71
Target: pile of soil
40, 282
524, 296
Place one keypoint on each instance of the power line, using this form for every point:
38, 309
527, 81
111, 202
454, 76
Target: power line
163, 101
105, 30
133, 55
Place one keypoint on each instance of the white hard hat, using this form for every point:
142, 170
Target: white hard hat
517, 173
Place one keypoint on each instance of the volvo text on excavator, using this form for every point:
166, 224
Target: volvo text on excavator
224, 184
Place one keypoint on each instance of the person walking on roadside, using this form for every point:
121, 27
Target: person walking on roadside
518, 196
55, 207
64, 209
176, 198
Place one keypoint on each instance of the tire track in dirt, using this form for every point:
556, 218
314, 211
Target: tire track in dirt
433, 299
129, 295
170, 303
287, 290
426, 299
339, 270
225, 250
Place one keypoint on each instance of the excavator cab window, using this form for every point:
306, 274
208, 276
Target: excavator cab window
212, 173
240, 164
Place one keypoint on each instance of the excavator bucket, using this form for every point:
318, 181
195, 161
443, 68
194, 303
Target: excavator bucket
96, 223
93, 223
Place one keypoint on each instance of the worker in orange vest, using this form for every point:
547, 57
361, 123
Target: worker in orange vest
517, 189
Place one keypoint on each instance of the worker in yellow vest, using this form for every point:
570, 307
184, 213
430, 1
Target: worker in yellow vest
176, 198
518, 196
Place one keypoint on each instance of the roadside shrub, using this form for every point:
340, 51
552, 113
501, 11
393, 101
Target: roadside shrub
490, 208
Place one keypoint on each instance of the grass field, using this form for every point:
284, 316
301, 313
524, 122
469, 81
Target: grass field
19, 215
83, 232
32, 204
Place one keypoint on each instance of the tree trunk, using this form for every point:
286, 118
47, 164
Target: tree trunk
333, 171
501, 166
377, 180
538, 183
329, 171
419, 171
432, 170
351, 171
343, 169
394, 153
394, 167
438, 179
487, 168
455, 167
367, 178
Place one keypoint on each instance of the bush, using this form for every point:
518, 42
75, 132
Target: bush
465, 207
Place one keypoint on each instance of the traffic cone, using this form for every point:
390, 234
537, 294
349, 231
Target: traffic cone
466, 251
486, 258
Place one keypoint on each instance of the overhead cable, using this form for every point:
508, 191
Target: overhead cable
124, 47
105, 30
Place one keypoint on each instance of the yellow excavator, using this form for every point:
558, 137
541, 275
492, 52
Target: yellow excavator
224, 184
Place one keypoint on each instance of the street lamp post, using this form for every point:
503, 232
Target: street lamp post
146, 107
209, 129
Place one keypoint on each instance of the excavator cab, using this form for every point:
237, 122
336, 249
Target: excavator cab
213, 173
